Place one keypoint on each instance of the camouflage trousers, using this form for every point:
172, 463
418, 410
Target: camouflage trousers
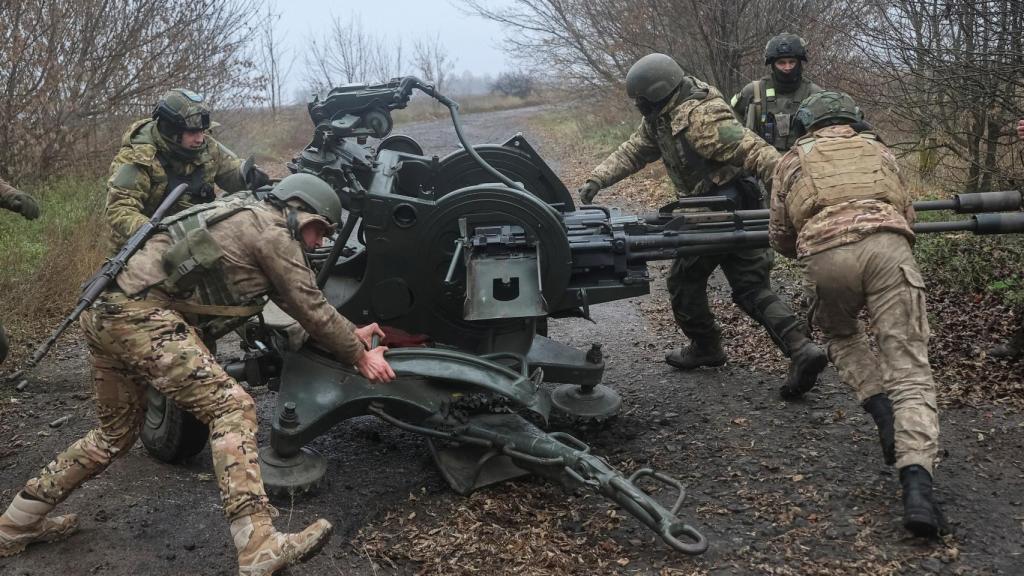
132, 348
879, 273
748, 273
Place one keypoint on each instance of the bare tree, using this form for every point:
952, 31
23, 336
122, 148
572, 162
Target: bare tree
351, 54
431, 59
594, 42
68, 66
270, 58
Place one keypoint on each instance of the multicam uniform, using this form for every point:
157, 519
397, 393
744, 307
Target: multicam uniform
839, 203
706, 151
146, 168
139, 335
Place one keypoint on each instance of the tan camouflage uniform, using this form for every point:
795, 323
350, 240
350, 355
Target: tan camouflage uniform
706, 150
138, 180
137, 342
839, 203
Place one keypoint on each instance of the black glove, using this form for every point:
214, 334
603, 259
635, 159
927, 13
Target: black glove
25, 204
256, 178
588, 192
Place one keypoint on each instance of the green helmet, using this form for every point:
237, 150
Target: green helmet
313, 192
826, 108
653, 78
181, 110
785, 45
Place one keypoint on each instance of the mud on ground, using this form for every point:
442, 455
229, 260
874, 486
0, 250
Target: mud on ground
777, 488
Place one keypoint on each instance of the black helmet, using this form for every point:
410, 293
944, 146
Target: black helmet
653, 78
826, 108
785, 45
180, 110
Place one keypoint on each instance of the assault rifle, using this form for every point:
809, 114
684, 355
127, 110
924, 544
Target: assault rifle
93, 287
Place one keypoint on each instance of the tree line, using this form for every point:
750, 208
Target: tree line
941, 78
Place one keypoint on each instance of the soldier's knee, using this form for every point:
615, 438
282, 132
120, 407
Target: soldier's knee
754, 300
240, 406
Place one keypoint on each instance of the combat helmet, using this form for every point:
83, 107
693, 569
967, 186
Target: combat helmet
785, 45
179, 110
653, 78
826, 108
318, 195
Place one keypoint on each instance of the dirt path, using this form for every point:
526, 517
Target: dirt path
778, 488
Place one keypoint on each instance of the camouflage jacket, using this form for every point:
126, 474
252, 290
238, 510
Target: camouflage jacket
138, 178
700, 141
775, 106
835, 187
7, 193
261, 258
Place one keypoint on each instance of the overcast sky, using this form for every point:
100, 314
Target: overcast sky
474, 43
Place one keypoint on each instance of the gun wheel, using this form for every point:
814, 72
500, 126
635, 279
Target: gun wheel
592, 403
288, 476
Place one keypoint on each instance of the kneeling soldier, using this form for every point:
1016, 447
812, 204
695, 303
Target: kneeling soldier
212, 268
839, 203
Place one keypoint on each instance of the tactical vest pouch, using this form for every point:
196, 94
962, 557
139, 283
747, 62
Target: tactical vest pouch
189, 259
782, 123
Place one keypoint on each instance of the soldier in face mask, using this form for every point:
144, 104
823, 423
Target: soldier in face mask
767, 105
707, 152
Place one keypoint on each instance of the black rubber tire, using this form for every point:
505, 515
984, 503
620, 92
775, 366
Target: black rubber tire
169, 433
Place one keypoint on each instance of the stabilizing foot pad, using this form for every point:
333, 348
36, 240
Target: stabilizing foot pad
585, 402
293, 474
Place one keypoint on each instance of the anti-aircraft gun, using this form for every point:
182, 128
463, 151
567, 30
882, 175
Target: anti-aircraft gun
472, 253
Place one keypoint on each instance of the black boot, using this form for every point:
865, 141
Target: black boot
921, 516
806, 361
880, 408
700, 352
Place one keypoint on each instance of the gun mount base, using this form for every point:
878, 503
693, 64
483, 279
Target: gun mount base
291, 475
592, 402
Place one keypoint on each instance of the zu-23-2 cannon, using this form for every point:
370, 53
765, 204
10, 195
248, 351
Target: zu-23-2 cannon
472, 253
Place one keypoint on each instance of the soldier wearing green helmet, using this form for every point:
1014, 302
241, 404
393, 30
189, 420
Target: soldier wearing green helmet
840, 205
768, 105
213, 264
707, 152
158, 153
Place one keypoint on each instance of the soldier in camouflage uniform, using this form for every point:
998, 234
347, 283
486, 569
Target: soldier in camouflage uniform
16, 201
708, 152
213, 262
161, 152
839, 203
768, 105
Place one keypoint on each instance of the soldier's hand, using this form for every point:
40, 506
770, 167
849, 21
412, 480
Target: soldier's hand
588, 192
252, 175
374, 367
366, 334
1020, 128
26, 205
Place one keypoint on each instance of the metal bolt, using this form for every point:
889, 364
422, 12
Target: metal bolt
289, 419
594, 355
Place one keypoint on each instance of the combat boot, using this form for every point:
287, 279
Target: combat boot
921, 516
700, 352
806, 361
880, 408
25, 523
262, 550
1013, 348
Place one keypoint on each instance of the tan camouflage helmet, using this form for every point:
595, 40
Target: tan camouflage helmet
181, 110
